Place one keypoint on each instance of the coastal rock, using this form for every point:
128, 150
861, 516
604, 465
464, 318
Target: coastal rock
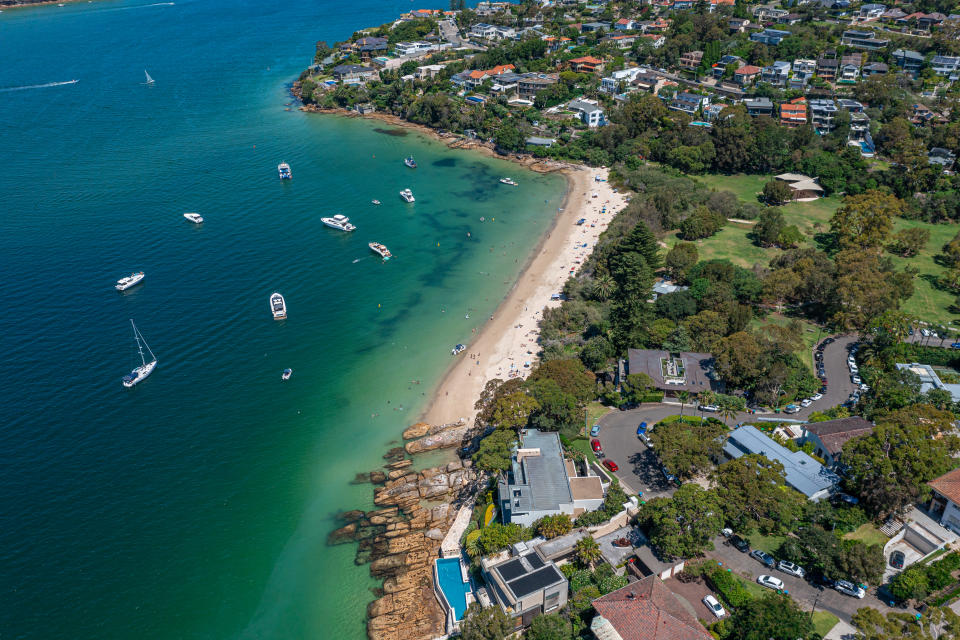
394, 454
350, 516
445, 439
434, 534
396, 473
378, 477
456, 465
416, 431
440, 512
399, 464
343, 534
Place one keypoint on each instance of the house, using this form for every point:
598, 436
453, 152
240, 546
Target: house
802, 187
892, 15
715, 4
827, 66
655, 40
554, 44
871, 11
428, 71
793, 113
586, 64
925, 22
684, 371
531, 84
746, 74
625, 24
615, 82
691, 59
720, 66
662, 287
688, 102
524, 585
923, 114
863, 40
940, 156
946, 66
848, 73
407, 49
485, 8
590, 112
483, 31
921, 534
852, 106
622, 41
829, 437
802, 472
645, 610
771, 37
874, 68
646, 81
590, 27
541, 482
909, 61
738, 25
790, 18
759, 106
473, 79
776, 74
946, 498
768, 12
927, 374
505, 84
353, 73
370, 47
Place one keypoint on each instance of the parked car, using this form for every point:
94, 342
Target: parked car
955, 345
854, 369
843, 586
896, 559
806, 402
739, 544
763, 557
791, 568
669, 477
611, 465
595, 430
596, 445
642, 428
645, 439
925, 332
714, 605
855, 379
791, 408
726, 532
711, 408
816, 396
770, 582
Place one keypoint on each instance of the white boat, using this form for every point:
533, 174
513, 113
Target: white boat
508, 181
410, 162
457, 349
380, 250
125, 283
195, 218
149, 79
286, 374
284, 170
278, 306
407, 195
340, 222
375, 201
140, 373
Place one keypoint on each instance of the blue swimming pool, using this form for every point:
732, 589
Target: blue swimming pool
452, 584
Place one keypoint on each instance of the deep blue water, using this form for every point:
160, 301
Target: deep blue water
197, 504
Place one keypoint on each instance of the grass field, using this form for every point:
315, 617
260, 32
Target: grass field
808, 336
868, 534
928, 303
765, 543
823, 621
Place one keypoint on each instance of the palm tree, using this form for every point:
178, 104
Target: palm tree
588, 551
603, 286
942, 332
684, 398
727, 409
705, 398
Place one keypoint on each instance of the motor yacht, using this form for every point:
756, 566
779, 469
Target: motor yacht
286, 374
125, 283
278, 306
340, 222
380, 250
508, 181
407, 195
284, 170
195, 218
410, 162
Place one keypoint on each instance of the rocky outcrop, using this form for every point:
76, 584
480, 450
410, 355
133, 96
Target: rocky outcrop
417, 430
442, 437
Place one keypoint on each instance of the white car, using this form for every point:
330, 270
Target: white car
806, 402
816, 396
712, 408
714, 605
849, 588
855, 379
770, 582
854, 368
925, 332
864, 386
791, 568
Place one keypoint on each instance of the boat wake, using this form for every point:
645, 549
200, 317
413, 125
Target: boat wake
38, 86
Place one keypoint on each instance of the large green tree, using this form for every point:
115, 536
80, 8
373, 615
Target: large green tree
683, 525
865, 221
485, 623
754, 492
772, 617
688, 450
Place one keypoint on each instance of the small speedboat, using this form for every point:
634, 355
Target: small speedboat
278, 306
410, 162
284, 170
380, 250
375, 201
458, 349
286, 374
407, 195
125, 283
339, 222
195, 218
508, 181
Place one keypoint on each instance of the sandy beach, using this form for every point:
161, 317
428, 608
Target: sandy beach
508, 341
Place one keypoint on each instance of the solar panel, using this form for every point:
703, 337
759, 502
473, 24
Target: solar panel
512, 570
534, 561
535, 581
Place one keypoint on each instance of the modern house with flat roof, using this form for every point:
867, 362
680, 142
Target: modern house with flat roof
802, 472
525, 586
541, 482
684, 371
829, 437
930, 380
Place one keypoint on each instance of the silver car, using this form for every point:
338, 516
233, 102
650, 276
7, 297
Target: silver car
770, 582
790, 568
849, 588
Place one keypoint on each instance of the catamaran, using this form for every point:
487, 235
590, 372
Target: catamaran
278, 306
380, 250
149, 79
340, 222
146, 368
284, 170
125, 283
195, 218
407, 195
410, 162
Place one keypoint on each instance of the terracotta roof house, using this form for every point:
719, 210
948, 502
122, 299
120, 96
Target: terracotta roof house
793, 113
746, 74
946, 497
829, 437
586, 64
645, 610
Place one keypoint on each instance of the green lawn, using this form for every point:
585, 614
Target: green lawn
823, 621
730, 243
928, 303
808, 336
752, 587
765, 543
868, 534
595, 411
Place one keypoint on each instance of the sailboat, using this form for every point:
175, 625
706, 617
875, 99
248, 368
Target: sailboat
149, 79
146, 368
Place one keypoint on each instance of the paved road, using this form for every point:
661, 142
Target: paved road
839, 604
449, 31
838, 376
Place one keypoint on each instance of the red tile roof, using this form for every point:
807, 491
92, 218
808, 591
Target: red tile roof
948, 485
648, 610
587, 60
747, 69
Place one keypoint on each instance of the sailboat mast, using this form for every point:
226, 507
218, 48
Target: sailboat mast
136, 336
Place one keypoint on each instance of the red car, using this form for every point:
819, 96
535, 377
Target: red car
611, 465
596, 445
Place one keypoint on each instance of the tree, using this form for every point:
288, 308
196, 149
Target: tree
680, 258
864, 221
739, 359
688, 450
513, 411
772, 617
495, 536
493, 454
587, 551
489, 623
777, 192
702, 223
937, 623
909, 242
636, 386
552, 526
683, 525
557, 409
552, 626
769, 226
911, 583
603, 286
683, 397
753, 491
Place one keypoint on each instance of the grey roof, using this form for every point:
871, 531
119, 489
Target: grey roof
527, 574
580, 105
930, 380
758, 103
697, 367
541, 479
906, 53
803, 473
351, 68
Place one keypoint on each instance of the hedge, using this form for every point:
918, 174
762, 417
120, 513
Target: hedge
729, 587
694, 420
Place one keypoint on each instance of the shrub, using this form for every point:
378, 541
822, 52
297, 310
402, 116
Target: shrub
729, 587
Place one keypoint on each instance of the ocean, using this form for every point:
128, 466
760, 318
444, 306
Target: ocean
197, 504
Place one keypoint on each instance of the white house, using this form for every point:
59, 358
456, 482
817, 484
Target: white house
611, 83
483, 31
590, 112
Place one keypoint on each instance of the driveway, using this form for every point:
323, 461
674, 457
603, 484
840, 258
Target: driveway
839, 604
839, 386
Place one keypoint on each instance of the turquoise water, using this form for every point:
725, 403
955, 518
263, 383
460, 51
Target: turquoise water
452, 585
196, 505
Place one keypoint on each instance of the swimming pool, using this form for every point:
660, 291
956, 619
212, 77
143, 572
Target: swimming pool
451, 583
